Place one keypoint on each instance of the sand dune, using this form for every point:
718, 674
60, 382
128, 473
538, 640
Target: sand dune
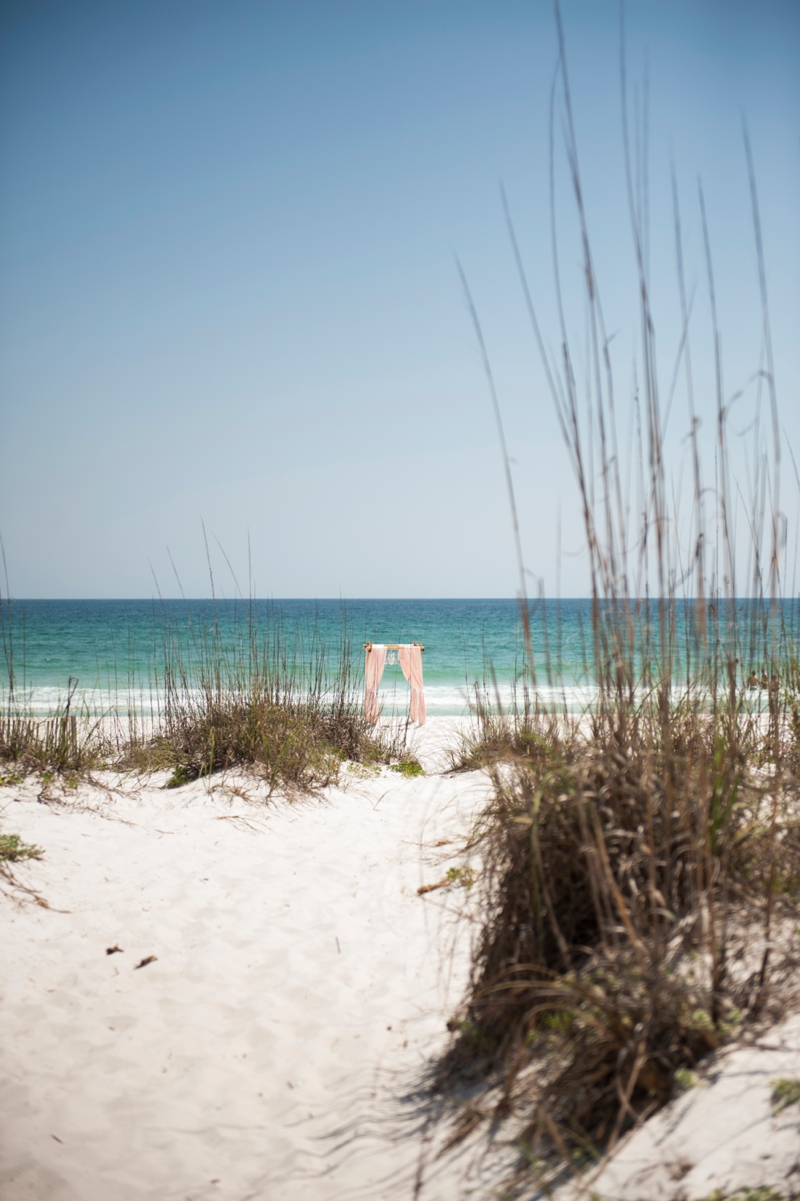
299, 986
293, 991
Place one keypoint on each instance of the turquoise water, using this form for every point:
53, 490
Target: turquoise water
114, 648
112, 651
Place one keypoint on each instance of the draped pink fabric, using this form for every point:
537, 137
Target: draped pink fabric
373, 670
411, 662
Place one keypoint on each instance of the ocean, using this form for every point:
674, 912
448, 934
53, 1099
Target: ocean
111, 652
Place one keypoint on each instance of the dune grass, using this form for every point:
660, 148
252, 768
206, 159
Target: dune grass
639, 880
640, 863
67, 744
13, 849
273, 702
280, 703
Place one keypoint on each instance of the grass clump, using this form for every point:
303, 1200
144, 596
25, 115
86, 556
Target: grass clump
13, 849
292, 743
463, 876
262, 701
522, 734
639, 862
785, 1092
231, 695
409, 768
68, 743
623, 877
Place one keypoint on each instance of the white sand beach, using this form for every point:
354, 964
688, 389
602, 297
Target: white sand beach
280, 988
299, 986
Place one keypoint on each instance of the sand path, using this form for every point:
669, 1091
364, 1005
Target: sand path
272, 1047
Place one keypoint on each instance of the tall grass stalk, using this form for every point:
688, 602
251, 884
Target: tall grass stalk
641, 863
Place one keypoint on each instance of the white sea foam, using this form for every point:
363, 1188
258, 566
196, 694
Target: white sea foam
444, 700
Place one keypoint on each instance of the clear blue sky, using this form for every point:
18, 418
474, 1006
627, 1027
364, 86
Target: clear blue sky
228, 288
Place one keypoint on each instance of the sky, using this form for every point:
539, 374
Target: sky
229, 299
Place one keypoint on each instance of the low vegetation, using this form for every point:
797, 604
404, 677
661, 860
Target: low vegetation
13, 849
265, 700
287, 741
785, 1092
248, 698
69, 743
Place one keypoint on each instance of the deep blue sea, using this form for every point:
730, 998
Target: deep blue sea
112, 651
